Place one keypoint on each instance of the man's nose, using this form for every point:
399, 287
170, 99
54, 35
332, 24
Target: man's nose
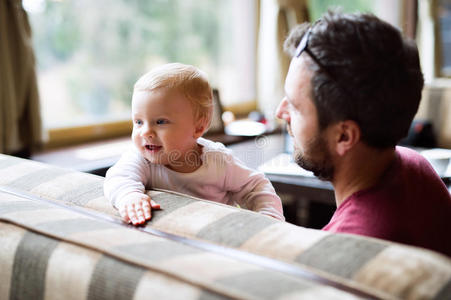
281, 111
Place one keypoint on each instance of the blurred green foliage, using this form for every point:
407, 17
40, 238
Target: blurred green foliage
318, 7
103, 46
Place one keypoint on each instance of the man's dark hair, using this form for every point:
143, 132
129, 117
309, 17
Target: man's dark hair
373, 75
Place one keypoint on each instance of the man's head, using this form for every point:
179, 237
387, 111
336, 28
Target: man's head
369, 73
360, 72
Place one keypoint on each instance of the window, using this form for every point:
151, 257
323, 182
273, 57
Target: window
443, 13
90, 53
318, 7
388, 10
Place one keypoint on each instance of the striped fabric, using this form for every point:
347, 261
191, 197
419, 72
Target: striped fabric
379, 268
50, 252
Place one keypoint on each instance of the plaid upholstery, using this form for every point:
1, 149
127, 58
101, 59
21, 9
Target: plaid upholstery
48, 233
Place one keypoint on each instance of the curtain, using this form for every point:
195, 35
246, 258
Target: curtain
20, 121
277, 17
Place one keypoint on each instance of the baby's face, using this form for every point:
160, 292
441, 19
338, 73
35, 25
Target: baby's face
164, 129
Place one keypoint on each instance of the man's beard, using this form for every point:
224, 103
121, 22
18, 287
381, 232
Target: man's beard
316, 158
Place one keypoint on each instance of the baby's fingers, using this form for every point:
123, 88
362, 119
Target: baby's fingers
146, 210
142, 212
123, 214
138, 211
154, 205
135, 216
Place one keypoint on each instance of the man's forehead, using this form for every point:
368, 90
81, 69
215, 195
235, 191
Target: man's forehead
298, 78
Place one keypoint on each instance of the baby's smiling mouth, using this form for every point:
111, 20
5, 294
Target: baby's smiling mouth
153, 147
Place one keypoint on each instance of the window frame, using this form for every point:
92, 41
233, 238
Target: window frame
438, 57
69, 136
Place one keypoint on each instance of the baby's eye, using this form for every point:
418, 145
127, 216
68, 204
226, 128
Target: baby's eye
162, 121
138, 122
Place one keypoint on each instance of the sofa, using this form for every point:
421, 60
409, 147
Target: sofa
61, 239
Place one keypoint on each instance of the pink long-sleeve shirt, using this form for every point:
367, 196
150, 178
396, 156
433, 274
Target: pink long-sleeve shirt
222, 178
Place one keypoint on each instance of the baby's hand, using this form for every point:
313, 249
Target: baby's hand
136, 208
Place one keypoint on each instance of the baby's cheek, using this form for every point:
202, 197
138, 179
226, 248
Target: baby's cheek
135, 138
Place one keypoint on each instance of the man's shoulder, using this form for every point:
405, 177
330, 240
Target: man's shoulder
408, 153
412, 161
410, 176
418, 177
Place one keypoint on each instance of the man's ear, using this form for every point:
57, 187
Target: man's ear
346, 135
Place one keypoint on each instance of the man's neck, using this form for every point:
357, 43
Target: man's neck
360, 169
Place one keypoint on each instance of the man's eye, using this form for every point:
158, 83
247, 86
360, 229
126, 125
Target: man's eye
162, 121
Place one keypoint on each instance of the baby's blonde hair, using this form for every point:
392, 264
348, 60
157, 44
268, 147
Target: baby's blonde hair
188, 79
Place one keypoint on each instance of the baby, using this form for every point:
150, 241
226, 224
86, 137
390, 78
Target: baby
171, 109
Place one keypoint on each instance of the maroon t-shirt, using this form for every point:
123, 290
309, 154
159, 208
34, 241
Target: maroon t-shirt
410, 205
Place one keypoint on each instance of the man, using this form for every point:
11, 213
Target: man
352, 89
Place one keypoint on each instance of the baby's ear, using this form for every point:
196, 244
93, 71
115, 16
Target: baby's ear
200, 128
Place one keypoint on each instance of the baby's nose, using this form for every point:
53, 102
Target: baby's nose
147, 131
